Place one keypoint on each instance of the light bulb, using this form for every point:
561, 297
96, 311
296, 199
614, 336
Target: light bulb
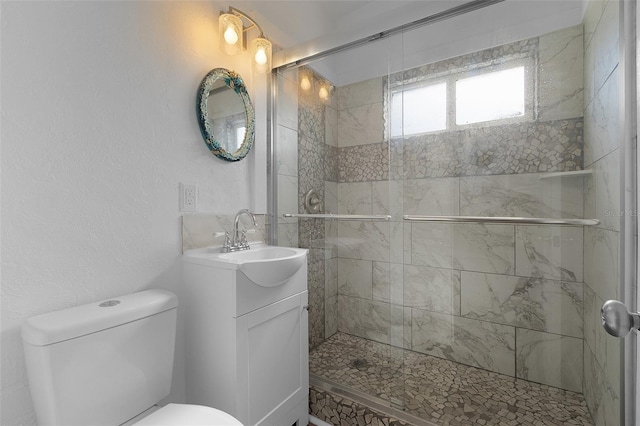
261, 56
305, 84
230, 35
323, 93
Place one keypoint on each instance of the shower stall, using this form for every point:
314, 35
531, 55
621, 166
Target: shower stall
457, 184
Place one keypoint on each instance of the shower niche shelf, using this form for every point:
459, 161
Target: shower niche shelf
577, 173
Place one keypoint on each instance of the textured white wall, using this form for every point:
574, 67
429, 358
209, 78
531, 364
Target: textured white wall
98, 128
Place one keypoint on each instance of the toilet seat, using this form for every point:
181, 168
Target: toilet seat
188, 415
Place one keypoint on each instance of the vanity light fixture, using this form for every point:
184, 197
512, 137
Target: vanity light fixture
316, 86
232, 39
306, 79
325, 92
305, 83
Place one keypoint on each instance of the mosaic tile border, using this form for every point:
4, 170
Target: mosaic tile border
553, 146
534, 147
363, 163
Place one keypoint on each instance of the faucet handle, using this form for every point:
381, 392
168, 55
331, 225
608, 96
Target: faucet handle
243, 238
227, 246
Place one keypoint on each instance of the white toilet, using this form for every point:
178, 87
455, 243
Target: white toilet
109, 363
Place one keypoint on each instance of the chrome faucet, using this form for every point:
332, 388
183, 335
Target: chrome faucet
238, 241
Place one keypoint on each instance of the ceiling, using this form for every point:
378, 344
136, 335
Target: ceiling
292, 22
300, 28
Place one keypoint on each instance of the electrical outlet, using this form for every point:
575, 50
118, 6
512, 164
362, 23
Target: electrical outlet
188, 197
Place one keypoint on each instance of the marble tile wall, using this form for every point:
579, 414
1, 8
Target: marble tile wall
316, 168
286, 134
305, 134
505, 298
602, 201
331, 259
478, 343
459, 288
550, 143
561, 94
201, 230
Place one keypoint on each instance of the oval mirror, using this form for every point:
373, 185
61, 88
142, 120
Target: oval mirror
225, 114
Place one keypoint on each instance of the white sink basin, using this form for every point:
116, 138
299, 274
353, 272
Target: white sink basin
267, 266
259, 254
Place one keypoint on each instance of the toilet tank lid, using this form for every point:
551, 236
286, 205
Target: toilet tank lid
58, 326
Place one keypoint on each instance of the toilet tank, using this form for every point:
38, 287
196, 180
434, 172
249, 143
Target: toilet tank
101, 363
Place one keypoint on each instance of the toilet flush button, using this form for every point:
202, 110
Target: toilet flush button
109, 303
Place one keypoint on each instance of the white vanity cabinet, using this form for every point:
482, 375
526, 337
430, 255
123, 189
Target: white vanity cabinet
246, 344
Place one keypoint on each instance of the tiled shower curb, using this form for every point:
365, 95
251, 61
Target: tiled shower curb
339, 407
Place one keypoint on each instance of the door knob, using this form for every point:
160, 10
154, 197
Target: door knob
617, 320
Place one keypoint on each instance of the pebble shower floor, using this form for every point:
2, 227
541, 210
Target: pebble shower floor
441, 391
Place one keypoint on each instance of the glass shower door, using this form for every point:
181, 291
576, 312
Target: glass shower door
510, 182
331, 140
498, 163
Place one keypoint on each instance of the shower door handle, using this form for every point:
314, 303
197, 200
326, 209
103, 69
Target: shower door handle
617, 320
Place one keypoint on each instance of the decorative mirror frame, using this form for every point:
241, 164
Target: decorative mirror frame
235, 82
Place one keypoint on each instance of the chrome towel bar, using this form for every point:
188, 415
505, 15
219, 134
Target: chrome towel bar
504, 220
385, 218
454, 219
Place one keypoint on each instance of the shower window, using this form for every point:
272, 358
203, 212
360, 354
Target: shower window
419, 110
489, 94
